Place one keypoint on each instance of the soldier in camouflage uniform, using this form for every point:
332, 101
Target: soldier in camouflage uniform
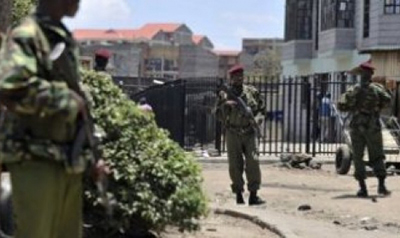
365, 101
40, 125
241, 138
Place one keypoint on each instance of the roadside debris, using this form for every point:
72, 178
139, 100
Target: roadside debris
304, 207
298, 161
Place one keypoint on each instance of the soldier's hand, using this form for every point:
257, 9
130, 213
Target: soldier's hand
100, 170
222, 95
231, 102
79, 100
259, 120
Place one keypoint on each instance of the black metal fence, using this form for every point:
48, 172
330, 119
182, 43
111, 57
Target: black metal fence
168, 102
297, 119
185, 109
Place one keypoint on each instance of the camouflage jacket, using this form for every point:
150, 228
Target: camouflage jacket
40, 117
232, 117
365, 104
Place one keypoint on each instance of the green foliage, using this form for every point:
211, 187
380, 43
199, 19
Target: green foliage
21, 8
267, 64
154, 181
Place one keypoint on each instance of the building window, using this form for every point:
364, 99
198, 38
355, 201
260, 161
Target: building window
337, 14
366, 18
251, 50
392, 6
345, 18
328, 15
298, 20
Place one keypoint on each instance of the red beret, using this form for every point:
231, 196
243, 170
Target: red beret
367, 65
236, 69
103, 53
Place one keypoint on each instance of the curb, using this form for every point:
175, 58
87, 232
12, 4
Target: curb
255, 220
262, 161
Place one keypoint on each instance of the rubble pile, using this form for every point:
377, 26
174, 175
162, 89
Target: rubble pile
298, 161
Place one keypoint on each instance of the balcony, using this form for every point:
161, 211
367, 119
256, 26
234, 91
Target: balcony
297, 49
336, 40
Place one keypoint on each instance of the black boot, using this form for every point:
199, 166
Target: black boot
254, 199
239, 198
363, 192
382, 188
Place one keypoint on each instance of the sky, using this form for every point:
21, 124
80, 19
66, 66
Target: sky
225, 22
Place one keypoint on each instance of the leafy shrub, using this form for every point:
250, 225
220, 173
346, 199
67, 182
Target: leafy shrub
154, 181
21, 8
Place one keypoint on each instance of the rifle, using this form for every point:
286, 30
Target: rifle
246, 110
85, 134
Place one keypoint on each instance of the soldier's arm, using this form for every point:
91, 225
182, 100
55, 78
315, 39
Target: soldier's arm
347, 100
384, 96
221, 108
22, 88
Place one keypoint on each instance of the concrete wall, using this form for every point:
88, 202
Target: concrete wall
387, 63
384, 28
332, 61
298, 49
183, 35
337, 39
125, 59
196, 61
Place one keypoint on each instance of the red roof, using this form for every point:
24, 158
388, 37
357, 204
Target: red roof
197, 39
111, 34
147, 31
151, 29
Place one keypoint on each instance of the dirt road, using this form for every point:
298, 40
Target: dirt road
331, 197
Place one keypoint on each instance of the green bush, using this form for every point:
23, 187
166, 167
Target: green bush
154, 181
21, 8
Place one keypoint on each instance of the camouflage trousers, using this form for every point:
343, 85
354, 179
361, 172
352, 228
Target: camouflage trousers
372, 139
239, 146
47, 201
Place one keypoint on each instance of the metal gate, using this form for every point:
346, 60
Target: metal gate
185, 108
295, 119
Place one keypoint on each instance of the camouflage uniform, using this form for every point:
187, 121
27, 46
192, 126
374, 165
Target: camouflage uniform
39, 127
241, 139
365, 128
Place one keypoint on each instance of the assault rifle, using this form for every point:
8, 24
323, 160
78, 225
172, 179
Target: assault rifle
246, 110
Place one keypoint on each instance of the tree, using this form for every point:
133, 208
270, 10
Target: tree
5, 14
267, 63
12, 11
